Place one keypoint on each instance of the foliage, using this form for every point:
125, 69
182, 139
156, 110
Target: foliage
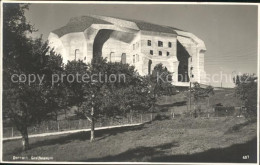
26, 104
246, 90
201, 93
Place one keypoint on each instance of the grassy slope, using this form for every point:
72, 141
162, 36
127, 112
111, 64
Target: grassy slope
182, 139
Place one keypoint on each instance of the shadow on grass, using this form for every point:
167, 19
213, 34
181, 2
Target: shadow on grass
177, 104
159, 153
137, 154
85, 136
238, 127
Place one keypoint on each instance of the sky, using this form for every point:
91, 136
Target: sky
229, 31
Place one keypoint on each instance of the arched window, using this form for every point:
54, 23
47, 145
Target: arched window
76, 54
111, 55
149, 66
123, 58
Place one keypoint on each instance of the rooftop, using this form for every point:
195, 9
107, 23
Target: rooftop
79, 24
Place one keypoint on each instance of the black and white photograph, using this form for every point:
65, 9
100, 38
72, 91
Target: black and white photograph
129, 82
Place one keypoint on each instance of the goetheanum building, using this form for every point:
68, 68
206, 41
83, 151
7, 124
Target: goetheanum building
137, 43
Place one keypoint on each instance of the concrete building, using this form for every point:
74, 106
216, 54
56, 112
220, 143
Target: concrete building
137, 43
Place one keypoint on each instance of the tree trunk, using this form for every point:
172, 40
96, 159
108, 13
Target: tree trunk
92, 134
25, 139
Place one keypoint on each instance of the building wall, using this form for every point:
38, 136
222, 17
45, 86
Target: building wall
114, 48
169, 61
136, 49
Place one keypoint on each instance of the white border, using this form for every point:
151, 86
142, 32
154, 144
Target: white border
120, 2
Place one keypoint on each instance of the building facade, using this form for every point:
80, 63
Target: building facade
137, 43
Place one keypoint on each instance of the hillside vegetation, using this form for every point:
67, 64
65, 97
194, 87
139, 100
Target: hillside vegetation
182, 139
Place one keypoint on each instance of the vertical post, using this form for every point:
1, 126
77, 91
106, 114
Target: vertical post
92, 121
151, 116
58, 125
131, 119
12, 132
141, 118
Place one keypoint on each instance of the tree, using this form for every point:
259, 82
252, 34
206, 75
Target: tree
199, 93
246, 90
101, 96
160, 83
25, 104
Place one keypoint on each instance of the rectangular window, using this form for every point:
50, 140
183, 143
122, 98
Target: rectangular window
149, 43
160, 43
168, 53
169, 44
133, 58
151, 52
137, 58
160, 53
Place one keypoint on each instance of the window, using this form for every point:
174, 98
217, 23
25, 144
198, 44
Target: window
149, 43
85, 58
133, 46
169, 44
76, 53
191, 68
137, 58
151, 52
160, 53
160, 43
123, 58
111, 56
168, 53
133, 58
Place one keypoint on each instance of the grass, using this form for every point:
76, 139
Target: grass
162, 140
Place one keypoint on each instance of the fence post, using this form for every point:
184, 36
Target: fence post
12, 132
131, 119
151, 116
141, 118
